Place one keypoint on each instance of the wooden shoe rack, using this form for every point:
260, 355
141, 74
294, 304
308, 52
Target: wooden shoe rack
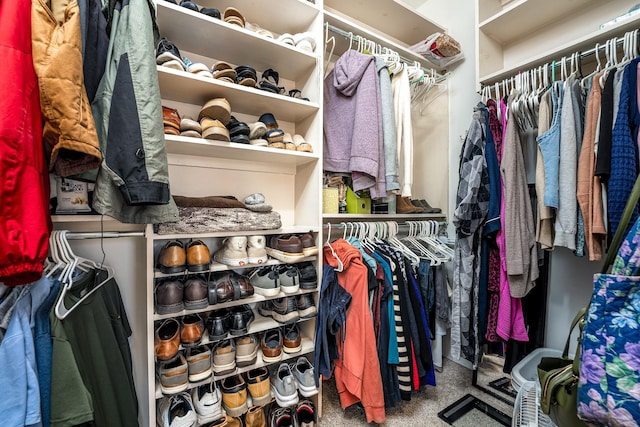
290, 180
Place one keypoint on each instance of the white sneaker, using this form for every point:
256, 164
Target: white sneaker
233, 252
207, 402
176, 411
256, 249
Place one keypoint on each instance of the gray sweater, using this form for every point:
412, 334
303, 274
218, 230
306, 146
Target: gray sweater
519, 232
388, 127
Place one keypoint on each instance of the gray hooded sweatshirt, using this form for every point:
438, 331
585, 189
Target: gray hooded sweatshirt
352, 119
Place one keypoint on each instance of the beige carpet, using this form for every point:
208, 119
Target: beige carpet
452, 383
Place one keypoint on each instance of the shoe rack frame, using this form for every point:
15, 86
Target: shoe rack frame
290, 180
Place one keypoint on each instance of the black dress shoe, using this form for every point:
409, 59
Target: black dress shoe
241, 318
218, 324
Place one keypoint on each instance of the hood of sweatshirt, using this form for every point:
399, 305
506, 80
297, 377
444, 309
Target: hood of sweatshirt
348, 71
343, 250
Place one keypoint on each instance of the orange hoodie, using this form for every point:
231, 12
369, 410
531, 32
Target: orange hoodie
357, 370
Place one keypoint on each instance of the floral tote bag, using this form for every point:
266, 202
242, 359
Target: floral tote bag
609, 387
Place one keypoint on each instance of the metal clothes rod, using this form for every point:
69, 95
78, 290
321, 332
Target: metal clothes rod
106, 235
349, 35
555, 64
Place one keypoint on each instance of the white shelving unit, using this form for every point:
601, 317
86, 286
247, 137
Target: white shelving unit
291, 181
526, 33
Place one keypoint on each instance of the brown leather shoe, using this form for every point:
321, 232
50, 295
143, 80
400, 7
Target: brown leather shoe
169, 296
309, 247
404, 206
196, 293
229, 285
170, 118
172, 257
198, 256
292, 341
286, 248
220, 289
271, 345
192, 330
166, 340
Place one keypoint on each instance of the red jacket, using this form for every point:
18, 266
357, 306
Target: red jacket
24, 204
357, 369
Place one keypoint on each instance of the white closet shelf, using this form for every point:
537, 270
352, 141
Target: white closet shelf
344, 23
213, 38
291, 15
521, 17
284, 230
383, 217
260, 324
307, 347
189, 88
231, 150
392, 17
216, 267
251, 300
586, 42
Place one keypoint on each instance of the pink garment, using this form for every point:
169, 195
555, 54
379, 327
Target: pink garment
510, 317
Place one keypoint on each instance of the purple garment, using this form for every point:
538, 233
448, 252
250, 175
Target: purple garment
353, 119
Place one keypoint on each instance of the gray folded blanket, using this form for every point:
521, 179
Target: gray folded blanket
195, 220
208, 202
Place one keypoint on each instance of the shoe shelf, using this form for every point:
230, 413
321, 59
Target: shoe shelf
216, 266
260, 324
251, 300
291, 16
194, 32
293, 229
307, 347
234, 151
190, 88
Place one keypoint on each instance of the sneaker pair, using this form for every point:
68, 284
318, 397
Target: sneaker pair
289, 309
292, 248
237, 389
239, 251
270, 280
302, 415
288, 380
196, 366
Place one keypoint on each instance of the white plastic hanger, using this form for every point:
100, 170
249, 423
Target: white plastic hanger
77, 262
328, 40
340, 266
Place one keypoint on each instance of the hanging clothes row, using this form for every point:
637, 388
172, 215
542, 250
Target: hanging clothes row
368, 99
64, 346
382, 301
549, 136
